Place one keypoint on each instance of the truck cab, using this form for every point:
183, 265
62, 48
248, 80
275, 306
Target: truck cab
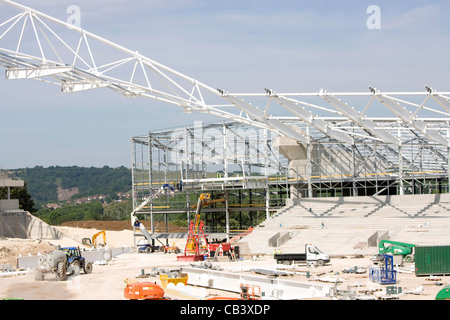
314, 254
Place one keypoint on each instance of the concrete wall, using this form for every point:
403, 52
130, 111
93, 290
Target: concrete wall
12, 204
21, 224
6, 182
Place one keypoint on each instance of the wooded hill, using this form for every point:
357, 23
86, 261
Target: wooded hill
43, 183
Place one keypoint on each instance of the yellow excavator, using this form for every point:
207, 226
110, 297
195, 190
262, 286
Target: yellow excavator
93, 243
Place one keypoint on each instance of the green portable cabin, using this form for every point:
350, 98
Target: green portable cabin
432, 260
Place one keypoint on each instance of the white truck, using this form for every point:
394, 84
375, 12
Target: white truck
312, 255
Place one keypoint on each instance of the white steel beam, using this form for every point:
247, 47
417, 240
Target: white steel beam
355, 116
308, 117
443, 101
73, 86
32, 73
281, 289
407, 117
259, 115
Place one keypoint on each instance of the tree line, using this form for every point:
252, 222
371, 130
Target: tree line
43, 182
87, 211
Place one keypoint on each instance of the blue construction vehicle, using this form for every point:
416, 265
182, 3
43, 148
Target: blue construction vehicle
75, 261
61, 262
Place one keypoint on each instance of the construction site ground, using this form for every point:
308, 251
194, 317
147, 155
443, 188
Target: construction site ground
107, 281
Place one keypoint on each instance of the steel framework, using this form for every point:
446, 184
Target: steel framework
36, 46
236, 163
355, 142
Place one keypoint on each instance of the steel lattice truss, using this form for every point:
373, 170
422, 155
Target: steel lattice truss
36, 46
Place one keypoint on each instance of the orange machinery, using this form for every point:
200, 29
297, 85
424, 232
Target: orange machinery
196, 244
143, 291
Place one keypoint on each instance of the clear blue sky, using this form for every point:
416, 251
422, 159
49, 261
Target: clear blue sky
240, 46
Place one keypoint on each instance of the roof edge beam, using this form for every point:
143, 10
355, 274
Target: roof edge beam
32, 73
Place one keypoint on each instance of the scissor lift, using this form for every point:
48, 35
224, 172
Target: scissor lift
386, 274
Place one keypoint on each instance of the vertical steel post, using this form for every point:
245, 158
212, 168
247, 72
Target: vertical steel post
227, 215
133, 186
150, 180
309, 164
225, 157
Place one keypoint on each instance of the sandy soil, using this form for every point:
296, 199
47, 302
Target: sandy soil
107, 282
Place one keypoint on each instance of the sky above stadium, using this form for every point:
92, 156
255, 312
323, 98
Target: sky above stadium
239, 46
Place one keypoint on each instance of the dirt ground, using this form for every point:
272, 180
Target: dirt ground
107, 281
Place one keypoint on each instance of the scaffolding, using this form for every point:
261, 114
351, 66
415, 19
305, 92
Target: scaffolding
237, 164
251, 171
274, 145
371, 168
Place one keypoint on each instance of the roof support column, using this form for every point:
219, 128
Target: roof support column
227, 215
448, 168
225, 156
309, 148
353, 164
400, 170
150, 181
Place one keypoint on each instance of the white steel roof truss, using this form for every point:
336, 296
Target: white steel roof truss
31, 73
94, 76
272, 124
354, 115
407, 117
443, 101
308, 117
181, 90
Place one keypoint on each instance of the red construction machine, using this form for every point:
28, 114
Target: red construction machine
197, 246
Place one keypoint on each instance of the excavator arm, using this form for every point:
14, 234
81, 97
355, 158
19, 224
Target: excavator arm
94, 238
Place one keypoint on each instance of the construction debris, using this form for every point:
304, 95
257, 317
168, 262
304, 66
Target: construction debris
6, 267
329, 279
156, 272
206, 265
416, 291
356, 270
272, 273
342, 278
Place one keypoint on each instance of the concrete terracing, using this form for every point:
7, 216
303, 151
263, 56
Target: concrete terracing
343, 226
17, 223
21, 224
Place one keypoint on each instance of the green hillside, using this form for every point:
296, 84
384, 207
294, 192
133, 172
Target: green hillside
43, 182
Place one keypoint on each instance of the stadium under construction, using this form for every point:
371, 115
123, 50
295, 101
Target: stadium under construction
252, 171
272, 149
